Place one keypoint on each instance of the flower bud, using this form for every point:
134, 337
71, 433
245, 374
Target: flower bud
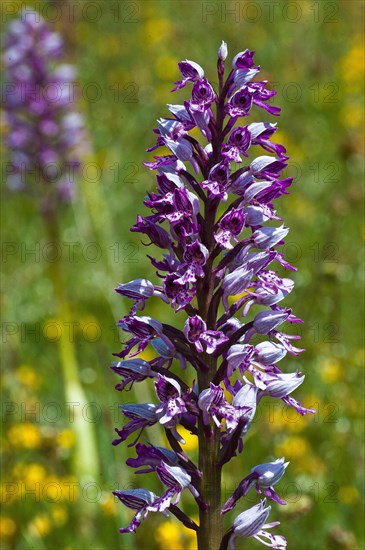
222, 51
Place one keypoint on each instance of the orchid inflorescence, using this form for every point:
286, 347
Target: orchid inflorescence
46, 134
215, 269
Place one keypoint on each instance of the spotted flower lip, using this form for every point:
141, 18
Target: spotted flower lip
214, 217
213, 403
196, 332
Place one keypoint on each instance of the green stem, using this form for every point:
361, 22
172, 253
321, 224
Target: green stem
211, 523
85, 455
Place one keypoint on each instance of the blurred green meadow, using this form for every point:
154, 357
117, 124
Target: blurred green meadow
126, 53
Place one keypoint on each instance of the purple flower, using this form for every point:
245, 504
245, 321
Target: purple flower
243, 60
132, 370
141, 416
172, 405
202, 95
196, 333
238, 142
139, 290
176, 479
156, 234
151, 456
46, 136
190, 71
268, 320
213, 214
267, 167
264, 476
283, 384
137, 499
240, 103
230, 226
251, 523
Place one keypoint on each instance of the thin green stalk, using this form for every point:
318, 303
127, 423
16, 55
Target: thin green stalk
85, 455
211, 522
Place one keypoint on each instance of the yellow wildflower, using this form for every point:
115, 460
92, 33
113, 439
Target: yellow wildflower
108, 505
59, 515
331, 372
7, 526
24, 435
292, 448
34, 473
168, 534
157, 30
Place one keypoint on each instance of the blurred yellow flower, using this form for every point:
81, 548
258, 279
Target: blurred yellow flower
168, 535
24, 435
7, 526
348, 494
293, 447
157, 30
108, 505
59, 515
66, 439
34, 473
172, 536
40, 526
191, 537
331, 372
27, 376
